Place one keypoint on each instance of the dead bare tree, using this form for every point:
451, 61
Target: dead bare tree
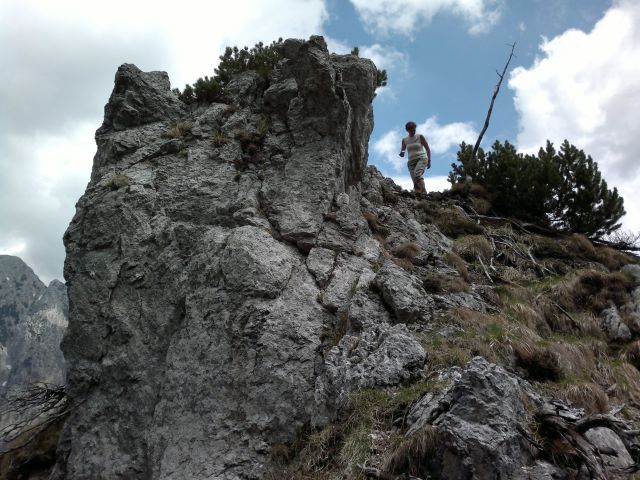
30, 411
493, 99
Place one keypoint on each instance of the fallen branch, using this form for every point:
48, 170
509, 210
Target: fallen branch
34, 408
484, 268
563, 428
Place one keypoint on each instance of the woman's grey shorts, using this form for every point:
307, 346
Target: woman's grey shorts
417, 167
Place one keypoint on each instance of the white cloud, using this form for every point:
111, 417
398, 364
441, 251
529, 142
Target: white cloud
406, 16
585, 87
385, 57
39, 197
388, 147
441, 139
59, 60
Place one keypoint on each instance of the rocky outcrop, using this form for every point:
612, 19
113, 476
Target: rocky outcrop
197, 318
33, 318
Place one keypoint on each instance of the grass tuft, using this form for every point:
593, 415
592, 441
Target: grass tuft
407, 250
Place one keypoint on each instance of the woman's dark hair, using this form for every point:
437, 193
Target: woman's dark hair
409, 125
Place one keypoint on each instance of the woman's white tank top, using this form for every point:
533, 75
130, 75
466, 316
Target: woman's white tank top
414, 147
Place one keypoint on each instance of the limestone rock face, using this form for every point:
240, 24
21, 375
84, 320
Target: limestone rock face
480, 418
33, 318
195, 340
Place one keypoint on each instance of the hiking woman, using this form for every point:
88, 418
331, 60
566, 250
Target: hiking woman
419, 156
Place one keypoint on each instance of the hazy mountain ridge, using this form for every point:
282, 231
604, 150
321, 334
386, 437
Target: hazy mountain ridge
33, 318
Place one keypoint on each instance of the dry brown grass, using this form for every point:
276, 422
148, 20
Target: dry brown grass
481, 205
582, 245
589, 396
250, 142
540, 363
440, 283
612, 259
381, 240
559, 358
407, 250
470, 247
460, 188
560, 320
545, 247
592, 290
576, 358
374, 224
491, 336
479, 191
412, 455
320, 449
331, 335
389, 194
118, 181
179, 130
404, 263
459, 264
631, 354
530, 316
453, 222
623, 378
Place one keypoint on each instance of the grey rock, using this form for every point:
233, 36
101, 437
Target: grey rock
368, 248
403, 293
371, 353
138, 98
344, 280
381, 356
320, 263
255, 264
478, 419
195, 331
540, 471
633, 270
607, 440
614, 326
633, 310
280, 94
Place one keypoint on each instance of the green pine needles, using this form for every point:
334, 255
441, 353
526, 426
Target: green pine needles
261, 59
561, 189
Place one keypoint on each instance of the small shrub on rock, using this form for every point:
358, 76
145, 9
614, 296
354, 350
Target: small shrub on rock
413, 455
459, 264
407, 250
454, 223
439, 283
473, 246
118, 181
179, 130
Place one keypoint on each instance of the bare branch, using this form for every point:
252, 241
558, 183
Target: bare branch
493, 99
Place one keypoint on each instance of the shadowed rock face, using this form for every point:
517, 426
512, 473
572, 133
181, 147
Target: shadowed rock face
33, 318
194, 342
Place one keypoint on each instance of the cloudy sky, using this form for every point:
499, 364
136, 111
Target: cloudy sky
576, 76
